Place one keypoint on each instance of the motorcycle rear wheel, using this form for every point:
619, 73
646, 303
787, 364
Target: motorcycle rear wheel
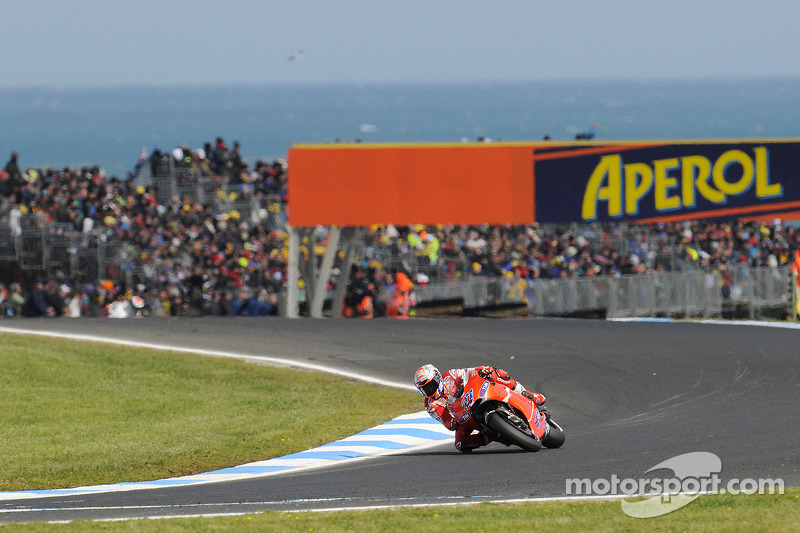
509, 432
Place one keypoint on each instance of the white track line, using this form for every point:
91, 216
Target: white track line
251, 358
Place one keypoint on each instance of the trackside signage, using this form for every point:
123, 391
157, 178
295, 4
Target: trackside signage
521, 183
666, 181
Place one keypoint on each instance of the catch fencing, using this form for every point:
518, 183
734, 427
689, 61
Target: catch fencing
183, 184
747, 292
59, 252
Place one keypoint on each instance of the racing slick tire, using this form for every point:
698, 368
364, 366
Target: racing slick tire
499, 422
556, 437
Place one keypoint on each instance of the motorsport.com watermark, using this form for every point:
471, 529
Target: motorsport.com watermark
695, 473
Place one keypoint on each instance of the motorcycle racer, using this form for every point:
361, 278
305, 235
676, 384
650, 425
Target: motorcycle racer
443, 391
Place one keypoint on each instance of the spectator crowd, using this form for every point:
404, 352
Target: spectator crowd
203, 258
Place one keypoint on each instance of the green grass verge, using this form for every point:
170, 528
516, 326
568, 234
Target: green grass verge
79, 413
709, 514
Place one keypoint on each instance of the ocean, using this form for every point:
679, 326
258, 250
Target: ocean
110, 126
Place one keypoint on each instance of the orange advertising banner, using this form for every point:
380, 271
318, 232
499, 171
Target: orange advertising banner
402, 184
523, 183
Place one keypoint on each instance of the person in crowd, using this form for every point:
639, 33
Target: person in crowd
12, 168
221, 158
237, 162
241, 303
261, 304
17, 300
357, 292
6, 184
159, 162
222, 304
37, 304
54, 295
402, 299
4, 294
73, 309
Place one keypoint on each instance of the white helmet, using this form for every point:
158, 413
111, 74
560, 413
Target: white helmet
428, 380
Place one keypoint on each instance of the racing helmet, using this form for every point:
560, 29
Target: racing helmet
428, 380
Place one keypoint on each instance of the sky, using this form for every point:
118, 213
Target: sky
96, 43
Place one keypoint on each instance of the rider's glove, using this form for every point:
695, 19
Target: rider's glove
486, 371
528, 395
537, 398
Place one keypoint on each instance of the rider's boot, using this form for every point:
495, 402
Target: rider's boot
472, 442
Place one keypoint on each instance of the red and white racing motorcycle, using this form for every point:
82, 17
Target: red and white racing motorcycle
510, 415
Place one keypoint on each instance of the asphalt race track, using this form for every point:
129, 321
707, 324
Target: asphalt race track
629, 395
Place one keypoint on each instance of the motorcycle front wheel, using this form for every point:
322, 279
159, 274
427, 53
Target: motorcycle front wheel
502, 423
555, 437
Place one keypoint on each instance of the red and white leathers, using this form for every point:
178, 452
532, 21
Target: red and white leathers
449, 410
